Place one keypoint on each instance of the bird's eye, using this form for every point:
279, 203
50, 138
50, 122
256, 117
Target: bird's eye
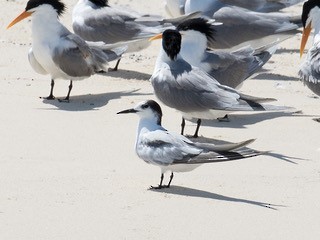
144, 106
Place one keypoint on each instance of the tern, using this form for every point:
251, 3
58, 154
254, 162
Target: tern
309, 70
58, 52
241, 27
192, 91
97, 21
176, 153
229, 68
253, 5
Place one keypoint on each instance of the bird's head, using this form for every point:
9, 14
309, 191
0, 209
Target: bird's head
310, 17
146, 110
39, 5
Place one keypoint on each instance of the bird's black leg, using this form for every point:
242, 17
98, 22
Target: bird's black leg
183, 124
197, 129
171, 177
224, 119
160, 185
115, 67
68, 95
50, 97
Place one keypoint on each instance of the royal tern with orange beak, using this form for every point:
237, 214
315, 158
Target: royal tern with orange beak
192, 91
310, 68
97, 21
58, 52
176, 153
230, 68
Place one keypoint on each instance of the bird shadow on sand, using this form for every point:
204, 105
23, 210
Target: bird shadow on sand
266, 75
280, 156
91, 101
190, 192
238, 120
127, 74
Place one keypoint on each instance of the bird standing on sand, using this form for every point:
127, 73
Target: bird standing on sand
174, 152
57, 51
229, 68
97, 21
192, 91
310, 68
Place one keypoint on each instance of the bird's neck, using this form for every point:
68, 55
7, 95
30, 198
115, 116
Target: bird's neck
46, 26
145, 126
315, 16
193, 47
164, 58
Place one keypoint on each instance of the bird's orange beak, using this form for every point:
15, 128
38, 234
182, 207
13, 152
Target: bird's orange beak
304, 39
22, 16
158, 36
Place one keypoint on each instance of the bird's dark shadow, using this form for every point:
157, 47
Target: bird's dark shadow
127, 74
289, 159
190, 192
91, 101
238, 120
274, 77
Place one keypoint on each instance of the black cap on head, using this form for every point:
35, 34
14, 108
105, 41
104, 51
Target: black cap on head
198, 24
307, 7
100, 3
155, 107
56, 4
171, 43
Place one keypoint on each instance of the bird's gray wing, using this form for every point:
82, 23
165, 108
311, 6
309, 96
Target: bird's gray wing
162, 148
223, 156
189, 89
262, 5
111, 26
232, 69
241, 26
76, 59
310, 69
35, 64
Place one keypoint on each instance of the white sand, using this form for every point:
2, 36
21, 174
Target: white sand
69, 171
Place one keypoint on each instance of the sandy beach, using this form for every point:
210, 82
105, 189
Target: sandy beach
69, 170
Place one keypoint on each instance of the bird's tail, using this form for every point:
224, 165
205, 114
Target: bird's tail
223, 147
226, 156
103, 56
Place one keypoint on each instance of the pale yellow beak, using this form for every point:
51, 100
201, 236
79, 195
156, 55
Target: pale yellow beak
158, 36
22, 16
304, 39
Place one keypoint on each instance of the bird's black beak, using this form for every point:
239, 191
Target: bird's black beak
128, 111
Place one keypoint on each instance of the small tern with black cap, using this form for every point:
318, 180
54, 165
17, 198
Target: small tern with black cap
173, 152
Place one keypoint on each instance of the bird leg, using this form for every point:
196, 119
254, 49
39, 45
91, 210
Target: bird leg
197, 129
183, 123
224, 119
50, 97
171, 177
160, 185
115, 67
68, 95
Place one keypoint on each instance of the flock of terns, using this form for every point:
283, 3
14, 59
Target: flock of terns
209, 47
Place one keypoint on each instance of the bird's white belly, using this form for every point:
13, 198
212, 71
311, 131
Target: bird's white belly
210, 114
43, 55
179, 167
